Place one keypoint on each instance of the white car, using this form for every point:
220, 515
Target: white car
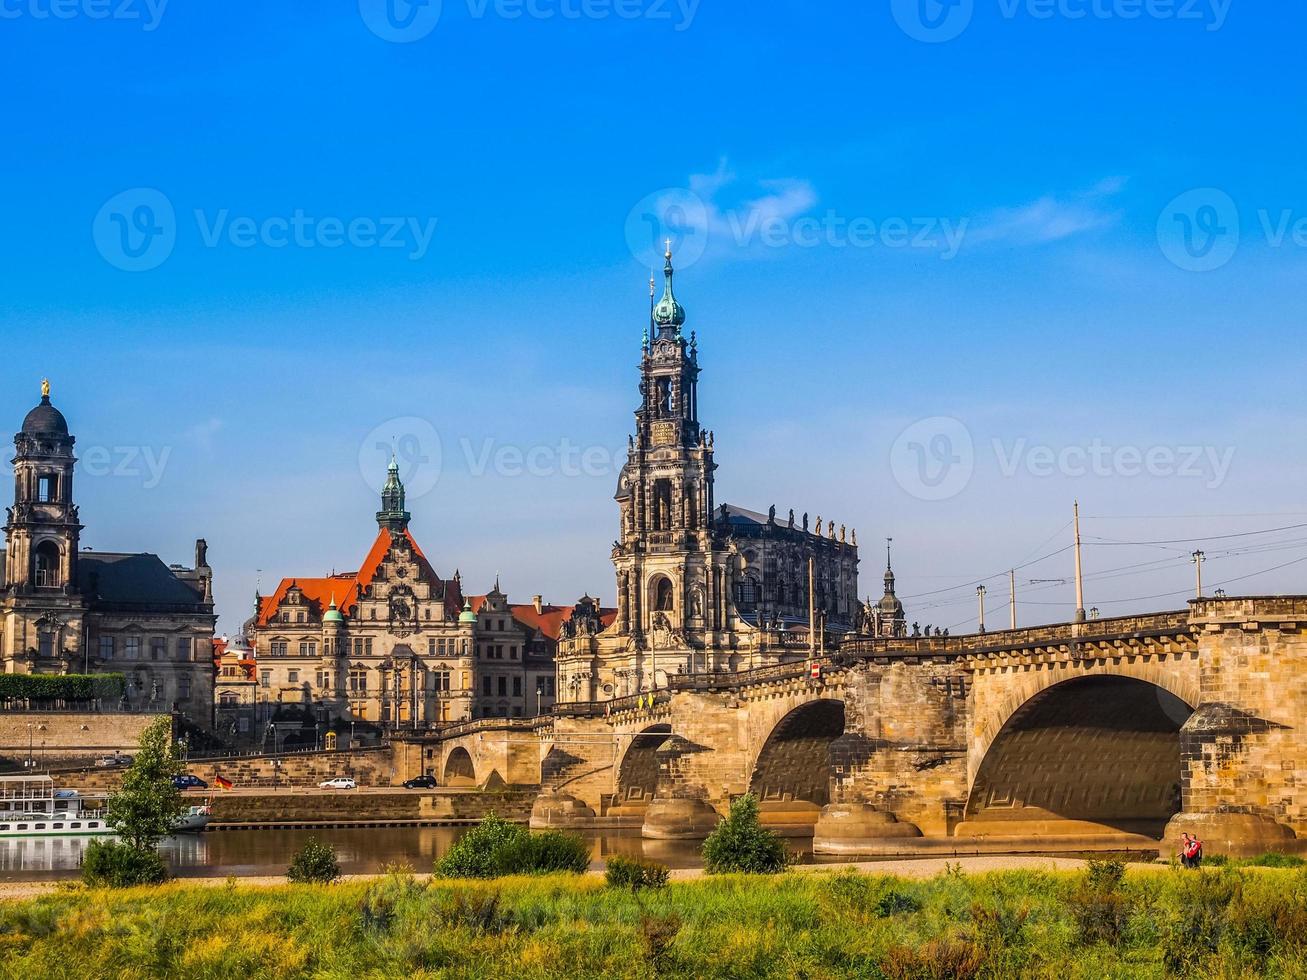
340, 782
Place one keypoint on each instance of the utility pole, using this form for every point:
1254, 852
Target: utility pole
1080, 578
1198, 560
812, 609
1012, 595
980, 594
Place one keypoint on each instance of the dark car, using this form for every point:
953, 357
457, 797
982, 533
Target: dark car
420, 782
189, 782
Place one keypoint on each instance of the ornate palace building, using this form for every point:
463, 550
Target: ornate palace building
397, 646
64, 610
702, 586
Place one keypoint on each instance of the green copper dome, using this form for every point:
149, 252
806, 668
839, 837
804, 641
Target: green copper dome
333, 615
467, 615
668, 312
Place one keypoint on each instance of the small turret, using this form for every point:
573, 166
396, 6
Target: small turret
392, 514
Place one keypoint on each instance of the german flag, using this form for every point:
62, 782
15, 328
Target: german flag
222, 783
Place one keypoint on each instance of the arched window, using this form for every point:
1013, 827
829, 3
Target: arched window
46, 562
746, 593
664, 599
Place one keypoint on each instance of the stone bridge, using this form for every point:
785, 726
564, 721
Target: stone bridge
1110, 733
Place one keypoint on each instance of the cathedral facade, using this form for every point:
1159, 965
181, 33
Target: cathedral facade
66, 610
702, 587
397, 646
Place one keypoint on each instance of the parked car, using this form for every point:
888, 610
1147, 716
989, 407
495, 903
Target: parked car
420, 782
113, 761
340, 782
187, 781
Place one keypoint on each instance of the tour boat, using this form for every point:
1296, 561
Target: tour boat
30, 806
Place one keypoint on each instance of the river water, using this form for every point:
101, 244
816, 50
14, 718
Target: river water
248, 853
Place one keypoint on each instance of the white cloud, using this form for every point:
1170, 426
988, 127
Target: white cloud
1051, 218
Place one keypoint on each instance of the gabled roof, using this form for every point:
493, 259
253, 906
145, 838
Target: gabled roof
345, 588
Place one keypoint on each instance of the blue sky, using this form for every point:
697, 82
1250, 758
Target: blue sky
926, 250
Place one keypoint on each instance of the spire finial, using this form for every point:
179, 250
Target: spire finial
45, 387
669, 250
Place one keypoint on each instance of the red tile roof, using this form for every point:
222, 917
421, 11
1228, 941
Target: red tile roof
345, 588
549, 620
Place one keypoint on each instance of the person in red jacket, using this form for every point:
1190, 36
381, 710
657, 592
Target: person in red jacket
1191, 850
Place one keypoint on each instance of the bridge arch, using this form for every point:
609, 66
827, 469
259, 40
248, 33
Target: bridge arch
1086, 755
459, 770
637, 777
999, 693
793, 765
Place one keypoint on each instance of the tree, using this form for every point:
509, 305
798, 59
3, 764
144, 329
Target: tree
149, 804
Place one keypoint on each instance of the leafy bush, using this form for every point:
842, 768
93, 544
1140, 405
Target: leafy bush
635, 873
61, 687
314, 864
494, 848
1100, 908
741, 844
118, 865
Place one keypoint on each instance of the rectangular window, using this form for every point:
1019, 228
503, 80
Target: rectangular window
45, 641
517, 687
106, 648
158, 648
47, 490
431, 647
133, 647
308, 648
549, 687
485, 686
265, 678
184, 687
367, 646
278, 648
324, 680
358, 680
292, 677
503, 687
184, 648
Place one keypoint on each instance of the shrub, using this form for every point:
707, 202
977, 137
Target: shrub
658, 933
314, 864
741, 844
1098, 905
635, 873
549, 852
939, 959
494, 848
61, 687
119, 865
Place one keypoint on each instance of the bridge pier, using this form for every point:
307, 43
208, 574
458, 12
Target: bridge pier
899, 762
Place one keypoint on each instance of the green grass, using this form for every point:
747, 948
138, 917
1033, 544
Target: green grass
1219, 923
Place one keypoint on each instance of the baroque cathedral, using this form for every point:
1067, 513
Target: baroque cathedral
705, 587
69, 610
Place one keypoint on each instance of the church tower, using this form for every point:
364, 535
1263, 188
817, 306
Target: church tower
41, 540
392, 514
669, 577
